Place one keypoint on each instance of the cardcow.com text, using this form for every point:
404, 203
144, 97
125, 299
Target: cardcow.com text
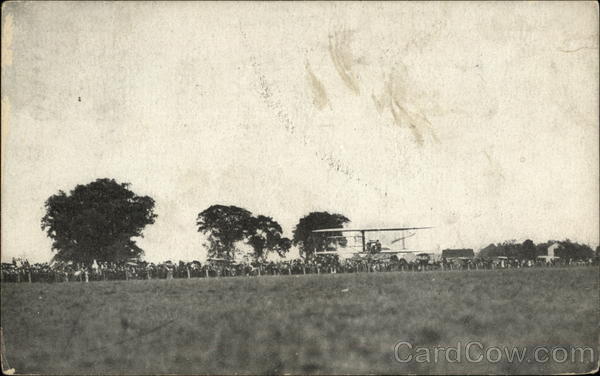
477, 352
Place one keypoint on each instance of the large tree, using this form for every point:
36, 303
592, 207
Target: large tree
227, 225
309, 242
224, 225
97, 221
265, 236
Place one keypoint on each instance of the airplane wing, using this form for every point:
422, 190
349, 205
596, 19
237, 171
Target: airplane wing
402, 251
369, 229
335, 253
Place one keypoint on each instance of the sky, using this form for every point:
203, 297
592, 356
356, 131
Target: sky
480, 119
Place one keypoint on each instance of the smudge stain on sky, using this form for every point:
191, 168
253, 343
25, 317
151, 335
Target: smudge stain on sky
393, 97
320, 99
277, 106
343, 59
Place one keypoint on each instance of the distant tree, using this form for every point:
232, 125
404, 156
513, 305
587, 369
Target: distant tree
574, 251
227, 225
567, 250
528, 250
507, 248
264, 234
96, 221
513, 249
490, 251
224, 225
541, 249
309, 242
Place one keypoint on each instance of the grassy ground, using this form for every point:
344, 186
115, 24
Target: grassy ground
345, 323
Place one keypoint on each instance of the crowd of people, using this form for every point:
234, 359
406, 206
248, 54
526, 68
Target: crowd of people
22, 271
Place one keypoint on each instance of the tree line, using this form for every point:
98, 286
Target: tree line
97, 221
529, 250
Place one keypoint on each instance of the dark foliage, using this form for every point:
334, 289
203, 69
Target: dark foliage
568, 250
464, 252
528, 250
309, 242
265, 235
96, 221
226, 225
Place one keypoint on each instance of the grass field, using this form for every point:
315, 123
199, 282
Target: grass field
344, 323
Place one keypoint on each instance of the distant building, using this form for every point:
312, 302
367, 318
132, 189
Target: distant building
551, 253
455, 253
552, 249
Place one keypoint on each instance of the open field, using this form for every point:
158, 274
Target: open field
345, 323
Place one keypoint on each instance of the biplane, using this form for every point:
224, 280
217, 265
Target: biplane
370, 247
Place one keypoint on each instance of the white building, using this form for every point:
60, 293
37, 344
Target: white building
551, 251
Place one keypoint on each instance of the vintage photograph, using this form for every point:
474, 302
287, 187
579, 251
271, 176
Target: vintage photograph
274, 188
